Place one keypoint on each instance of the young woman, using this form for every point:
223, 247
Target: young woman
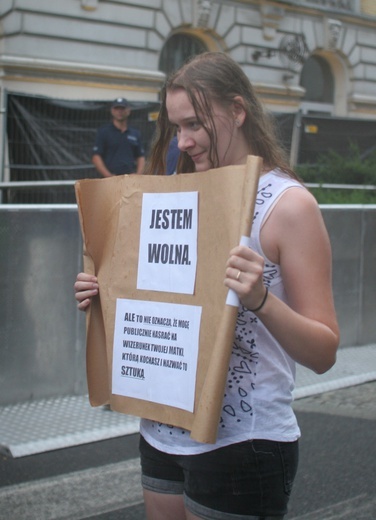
286, 313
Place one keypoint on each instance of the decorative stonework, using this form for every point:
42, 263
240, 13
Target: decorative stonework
271, 16
343, 5
333, 29
203, 10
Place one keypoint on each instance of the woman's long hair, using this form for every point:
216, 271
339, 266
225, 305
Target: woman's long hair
215, 77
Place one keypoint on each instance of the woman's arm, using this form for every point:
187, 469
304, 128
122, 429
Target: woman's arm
294, 236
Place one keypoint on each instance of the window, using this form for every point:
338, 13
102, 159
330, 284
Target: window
318, 81
178, 49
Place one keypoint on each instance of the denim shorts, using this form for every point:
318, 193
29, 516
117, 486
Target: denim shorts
250, 480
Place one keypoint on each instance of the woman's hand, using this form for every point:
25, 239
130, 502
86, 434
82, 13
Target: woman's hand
85, 287
244, 274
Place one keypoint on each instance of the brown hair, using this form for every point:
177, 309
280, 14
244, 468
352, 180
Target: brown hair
208, 77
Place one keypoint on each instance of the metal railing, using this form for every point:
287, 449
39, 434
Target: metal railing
340, 186
37, 192
34, 186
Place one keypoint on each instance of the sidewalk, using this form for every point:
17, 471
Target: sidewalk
50, 424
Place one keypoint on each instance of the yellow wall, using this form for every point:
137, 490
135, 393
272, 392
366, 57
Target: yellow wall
369, 7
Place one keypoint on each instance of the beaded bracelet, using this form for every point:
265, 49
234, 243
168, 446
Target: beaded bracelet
263, 301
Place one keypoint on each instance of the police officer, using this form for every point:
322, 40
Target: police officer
118, 149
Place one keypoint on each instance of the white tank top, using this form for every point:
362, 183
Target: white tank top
261, 375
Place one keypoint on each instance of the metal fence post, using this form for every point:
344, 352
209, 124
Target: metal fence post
295, 139
3, 134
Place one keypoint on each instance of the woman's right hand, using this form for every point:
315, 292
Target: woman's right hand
85, 287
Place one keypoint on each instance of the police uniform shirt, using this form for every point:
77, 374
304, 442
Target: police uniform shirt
119, 150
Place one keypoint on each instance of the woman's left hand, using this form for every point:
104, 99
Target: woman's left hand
244, 274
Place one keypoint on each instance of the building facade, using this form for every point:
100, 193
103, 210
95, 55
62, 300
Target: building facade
98, 49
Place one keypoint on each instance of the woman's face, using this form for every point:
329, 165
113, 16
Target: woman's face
194, 139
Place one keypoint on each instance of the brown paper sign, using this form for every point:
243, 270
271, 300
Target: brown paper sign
110, 212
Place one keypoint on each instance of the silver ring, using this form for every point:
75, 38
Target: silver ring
238, 275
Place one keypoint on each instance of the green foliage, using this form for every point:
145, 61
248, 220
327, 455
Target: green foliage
333, 168
346, 196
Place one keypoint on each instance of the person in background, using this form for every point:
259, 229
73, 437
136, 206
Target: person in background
118, 149
173, 154
286, 313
